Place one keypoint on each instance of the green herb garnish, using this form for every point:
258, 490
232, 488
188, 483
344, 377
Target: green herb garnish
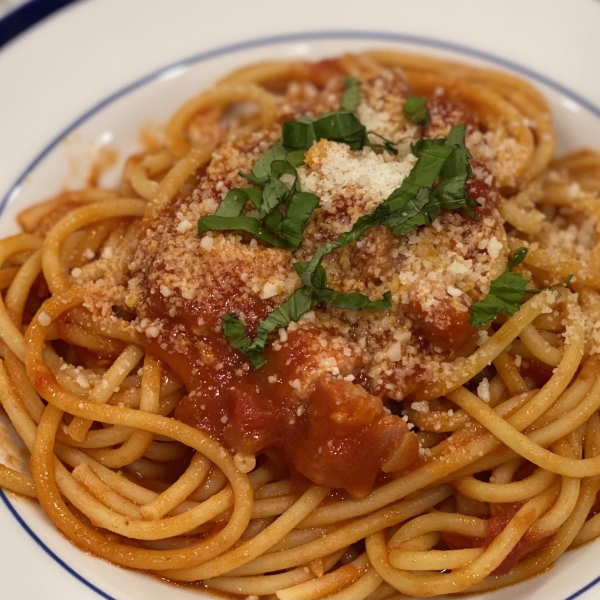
451, 190
416, 202
277, 228
415, 110
506, 293
388, 145
262, 167
298, 215
247, 224
299, 303
436, 183
233, 204
342, 127
299, 134
351, 96
284, 213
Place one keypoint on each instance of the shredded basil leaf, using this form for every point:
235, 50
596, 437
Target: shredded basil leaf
343, 127
274, 220
354, 300
351, 96
387, 144
295, 158
431, 159
451, 190
233, 204
281, 167
235, 332
415, 110
518, 257
262, 167
419, 210
273, 195
506, 293
298, 206
291, 226
247, 224
298, 215
297, 135
413, 204
338, 126
351, 301
505, 296
285, 212
299, 303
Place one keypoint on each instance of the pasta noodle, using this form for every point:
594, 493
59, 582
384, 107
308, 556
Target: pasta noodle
393, 446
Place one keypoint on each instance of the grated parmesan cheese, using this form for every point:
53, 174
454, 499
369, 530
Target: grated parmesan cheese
483, 390
44, 319
421, 407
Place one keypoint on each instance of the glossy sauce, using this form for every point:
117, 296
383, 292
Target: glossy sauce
331, 423
339, 435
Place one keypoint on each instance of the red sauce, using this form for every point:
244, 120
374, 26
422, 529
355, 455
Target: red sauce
328, 425
458, 541
503, 514
320, 73
445, 113
339, 435
536, 370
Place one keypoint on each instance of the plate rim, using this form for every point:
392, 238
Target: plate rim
250, 43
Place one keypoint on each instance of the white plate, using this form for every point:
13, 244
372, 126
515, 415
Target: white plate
94, 73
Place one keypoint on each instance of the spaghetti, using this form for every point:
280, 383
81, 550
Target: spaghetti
373, 441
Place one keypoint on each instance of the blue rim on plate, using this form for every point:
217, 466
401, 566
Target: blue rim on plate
220, 51
50, 553
23, 17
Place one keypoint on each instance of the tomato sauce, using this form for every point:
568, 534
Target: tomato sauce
503, 513
339, 435
320, 398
